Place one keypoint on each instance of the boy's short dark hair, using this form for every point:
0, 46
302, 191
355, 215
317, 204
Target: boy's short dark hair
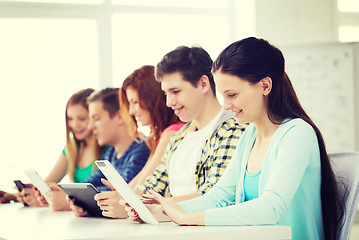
192, 63
109, 98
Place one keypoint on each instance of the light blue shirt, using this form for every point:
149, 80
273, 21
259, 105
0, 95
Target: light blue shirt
289, 185
251, 185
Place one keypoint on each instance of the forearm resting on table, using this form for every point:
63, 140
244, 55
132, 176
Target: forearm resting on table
196, 218
6, 197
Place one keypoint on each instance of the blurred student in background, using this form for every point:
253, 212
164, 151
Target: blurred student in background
142, 99
77, 158
128, 154
81, 150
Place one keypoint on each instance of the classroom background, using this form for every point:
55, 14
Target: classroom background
51, 48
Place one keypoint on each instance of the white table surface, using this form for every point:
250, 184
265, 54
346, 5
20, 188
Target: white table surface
17, 222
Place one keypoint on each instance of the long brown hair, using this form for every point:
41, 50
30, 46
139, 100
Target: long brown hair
72, 144
152, 99
253, 59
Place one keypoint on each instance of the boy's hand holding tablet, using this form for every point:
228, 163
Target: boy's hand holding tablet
108, 201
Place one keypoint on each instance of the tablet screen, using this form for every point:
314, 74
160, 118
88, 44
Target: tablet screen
38, 182
83, 196
125, 191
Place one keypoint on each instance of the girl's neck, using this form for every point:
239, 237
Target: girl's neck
265, 128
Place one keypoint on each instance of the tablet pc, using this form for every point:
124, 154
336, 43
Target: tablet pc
125, 191
83, 196
20, 186
38, 182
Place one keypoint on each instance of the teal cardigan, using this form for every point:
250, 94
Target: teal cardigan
289, 185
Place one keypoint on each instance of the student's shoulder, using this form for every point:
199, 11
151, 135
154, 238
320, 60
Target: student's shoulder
139, 144
296, 124
107, 149
174, 127
109, 153
228, 130
297, 128
184, 129
231, 124
227, 122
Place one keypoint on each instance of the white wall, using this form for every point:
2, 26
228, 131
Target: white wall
306, 24
291, 22
50, 50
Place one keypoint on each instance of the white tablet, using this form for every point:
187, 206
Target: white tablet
125, 191
38, 182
